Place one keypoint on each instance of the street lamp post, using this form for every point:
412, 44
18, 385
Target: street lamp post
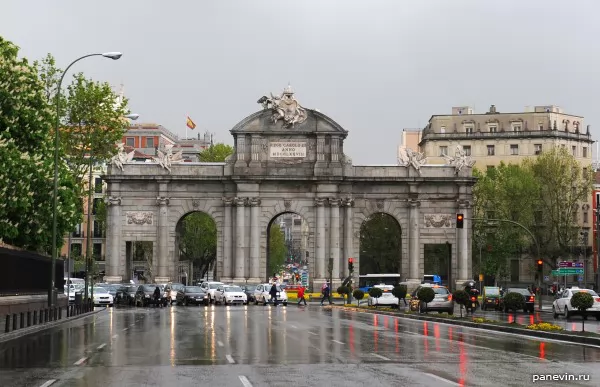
111, 55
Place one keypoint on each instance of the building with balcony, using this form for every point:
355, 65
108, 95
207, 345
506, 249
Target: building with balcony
494, 137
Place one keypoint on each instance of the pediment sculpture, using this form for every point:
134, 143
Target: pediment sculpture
284, 107
460, 159
167, 158
121, 157
409, 157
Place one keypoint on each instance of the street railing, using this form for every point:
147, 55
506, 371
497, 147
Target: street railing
15, 321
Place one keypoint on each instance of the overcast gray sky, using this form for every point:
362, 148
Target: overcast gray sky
373, 66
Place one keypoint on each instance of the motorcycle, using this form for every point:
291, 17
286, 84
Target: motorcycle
473, 296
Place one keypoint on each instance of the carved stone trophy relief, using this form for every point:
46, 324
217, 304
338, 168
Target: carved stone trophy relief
140, 218
438, 220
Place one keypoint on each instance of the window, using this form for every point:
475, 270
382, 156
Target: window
467, 149
575, 217
585, 217
130, 141
514, 149
516, 127
149, 142
574, 150
540, 126
77, 233
97, 251
491, 150
297, 222
469, 129
514, 270
76, 250
493, 128
98, 185
442, 129
97, 233
584, 152
537, 148
95, 205
443, 150
490, 168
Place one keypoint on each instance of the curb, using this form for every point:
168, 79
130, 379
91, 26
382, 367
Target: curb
585, 340
4, 337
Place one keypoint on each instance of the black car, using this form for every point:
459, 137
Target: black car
527, 295
192, 295
144, 296
126, 295
249, 290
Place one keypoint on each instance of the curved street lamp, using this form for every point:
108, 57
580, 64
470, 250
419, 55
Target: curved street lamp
110, 55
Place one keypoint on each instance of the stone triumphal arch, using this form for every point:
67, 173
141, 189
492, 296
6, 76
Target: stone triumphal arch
287, 159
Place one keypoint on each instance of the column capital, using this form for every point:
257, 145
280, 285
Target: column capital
463, 203
113, 200
162, 201
413, 203
254, 202
227, 201
239, 202
319, 202
348, 202
334, 202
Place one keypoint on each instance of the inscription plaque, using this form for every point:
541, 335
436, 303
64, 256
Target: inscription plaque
291, 149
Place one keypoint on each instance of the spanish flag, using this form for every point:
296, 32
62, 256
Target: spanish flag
190, 124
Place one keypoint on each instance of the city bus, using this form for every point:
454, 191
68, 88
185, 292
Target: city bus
384, 281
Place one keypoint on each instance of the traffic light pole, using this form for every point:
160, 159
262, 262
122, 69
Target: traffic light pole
539, 281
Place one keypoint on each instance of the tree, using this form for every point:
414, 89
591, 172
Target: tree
380, 245
461, 298
582, 301
562, 186
359, 295
198, 240
426, 295
277, 250
344, 291
216, 153
143, 251
400, 293
27, 159
514, 301
375, 293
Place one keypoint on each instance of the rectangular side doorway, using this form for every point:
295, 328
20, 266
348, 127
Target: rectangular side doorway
438, 261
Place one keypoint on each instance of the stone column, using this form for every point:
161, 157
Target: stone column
348, 234
162, 271
254, 240
334, 236
113, 234
320, 254
462, 248
227, 239
413, 240
240, 259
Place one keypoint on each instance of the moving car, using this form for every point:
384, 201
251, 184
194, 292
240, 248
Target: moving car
102, 297
230, 295
126, 295
442, 302
209, 288
192, 295
261, 294
144, 296
490, 298
386, 299
562, 305
529, 299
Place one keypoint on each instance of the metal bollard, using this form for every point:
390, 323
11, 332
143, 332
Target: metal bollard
41, 320
28, 318
7, 324
34, 317
45, 315
22, 320
55, 313
59, 313
14, 322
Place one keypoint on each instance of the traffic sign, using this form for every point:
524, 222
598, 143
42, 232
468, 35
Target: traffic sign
555, 273
304, 278
546, 278
566, 264
580, 278
569, 271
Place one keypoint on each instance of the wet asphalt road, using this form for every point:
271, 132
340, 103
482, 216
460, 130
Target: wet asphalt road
281, 346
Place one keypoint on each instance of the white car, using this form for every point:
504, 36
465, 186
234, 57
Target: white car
562, 305
229, 295
386, 299
210, 288
261, 294
102, 297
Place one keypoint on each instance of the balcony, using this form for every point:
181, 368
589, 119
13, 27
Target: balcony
554, 134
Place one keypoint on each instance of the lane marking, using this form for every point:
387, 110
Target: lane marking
380, 356
245, 381
450, 382
101, 346
339, 342
229, 359
220, 343
80, 361
293, 326
313, 333
51, 381
115, 336
124, 329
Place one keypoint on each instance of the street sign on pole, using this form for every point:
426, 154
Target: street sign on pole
580, 278
569, 264
569, 271
546, 278
555, 273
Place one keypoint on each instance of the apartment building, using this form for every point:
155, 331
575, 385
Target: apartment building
492, 137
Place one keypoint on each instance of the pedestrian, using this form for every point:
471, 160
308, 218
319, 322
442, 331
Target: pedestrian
325, 293
301, 296
156, 296
273, 293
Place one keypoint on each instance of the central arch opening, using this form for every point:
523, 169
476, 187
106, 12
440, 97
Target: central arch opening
287, 248
196, 247
380, 245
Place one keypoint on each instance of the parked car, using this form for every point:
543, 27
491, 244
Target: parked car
126, 294
209, 288
230, 295
249, 290
102, 297
261, 294
562, 304
490, 298
442, 302
144, 295
529, 299
191, 295
172, 289
386, 299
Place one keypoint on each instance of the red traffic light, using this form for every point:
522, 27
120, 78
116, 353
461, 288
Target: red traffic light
350, 260
459, 217
540, 262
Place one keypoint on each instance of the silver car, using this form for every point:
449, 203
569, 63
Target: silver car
442, 301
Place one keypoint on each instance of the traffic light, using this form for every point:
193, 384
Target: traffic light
459, 220
350, 265
540, 265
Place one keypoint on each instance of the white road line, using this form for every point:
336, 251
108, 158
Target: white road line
339, 342
51, 381
102, 346
115, 336
450, 382
220, 343
380, 356
245, 381
230, 359
293, 326
313, 333
124, 329
80, 361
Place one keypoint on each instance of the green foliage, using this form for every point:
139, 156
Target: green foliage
461, 297
198, 240
277, 250
375, 292
27, 159
380, 245
514, 301
216, 153
345, 290
426, 294
358, 294
582, 301
400, 291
